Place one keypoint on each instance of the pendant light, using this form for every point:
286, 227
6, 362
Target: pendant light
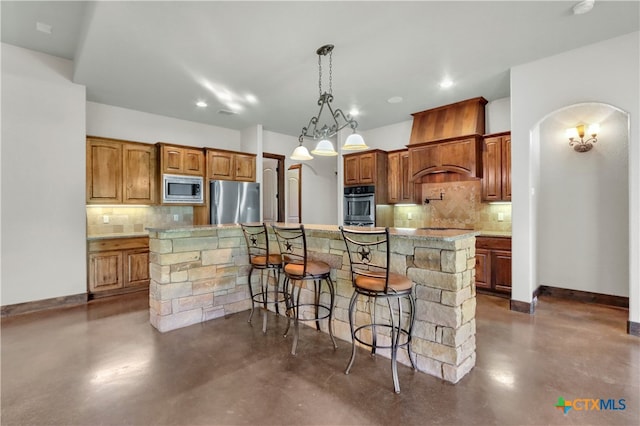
324, 146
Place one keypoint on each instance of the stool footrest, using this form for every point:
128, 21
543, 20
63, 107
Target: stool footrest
405, 337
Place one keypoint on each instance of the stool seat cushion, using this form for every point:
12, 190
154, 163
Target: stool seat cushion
315, 268
261, 261
397, 282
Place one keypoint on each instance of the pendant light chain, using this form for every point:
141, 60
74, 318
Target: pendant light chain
330, 73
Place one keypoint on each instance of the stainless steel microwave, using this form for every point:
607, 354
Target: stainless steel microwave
182, 189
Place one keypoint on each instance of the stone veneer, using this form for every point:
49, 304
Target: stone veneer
200, 273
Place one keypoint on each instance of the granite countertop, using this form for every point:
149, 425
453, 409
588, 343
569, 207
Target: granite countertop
446, 234
112, 236
500, 234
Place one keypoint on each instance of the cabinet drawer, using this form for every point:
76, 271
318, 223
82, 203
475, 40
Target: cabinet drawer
118, 244
493, 243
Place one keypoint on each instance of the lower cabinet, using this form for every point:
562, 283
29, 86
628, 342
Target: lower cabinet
493, 264
118, 265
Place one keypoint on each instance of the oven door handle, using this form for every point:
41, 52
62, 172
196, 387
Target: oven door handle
358, 195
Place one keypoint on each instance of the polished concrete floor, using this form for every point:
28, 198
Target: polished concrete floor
103, 364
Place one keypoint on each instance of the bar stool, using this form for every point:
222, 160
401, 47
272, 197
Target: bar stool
369, 256
298, 269
262, 259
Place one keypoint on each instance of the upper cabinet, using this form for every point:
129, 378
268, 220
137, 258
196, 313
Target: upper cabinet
496, 160
367, 168
400, 187
459, 156
181, 160
120, 172
231, 165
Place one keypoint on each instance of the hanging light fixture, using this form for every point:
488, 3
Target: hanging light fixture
324, 146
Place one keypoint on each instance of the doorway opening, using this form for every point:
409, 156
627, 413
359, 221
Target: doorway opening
273, 187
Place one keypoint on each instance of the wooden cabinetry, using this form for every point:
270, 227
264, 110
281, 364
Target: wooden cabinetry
449, 121
181, 160
496, 165
493, 264
367, 168
230, 165
460, 156
118, 265
400, 188
120, 172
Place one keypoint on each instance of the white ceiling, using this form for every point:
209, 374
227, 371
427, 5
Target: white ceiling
161, 57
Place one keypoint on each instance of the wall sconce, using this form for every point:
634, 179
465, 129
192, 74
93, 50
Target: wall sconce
582, 145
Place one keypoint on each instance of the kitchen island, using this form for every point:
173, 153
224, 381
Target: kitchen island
200, 273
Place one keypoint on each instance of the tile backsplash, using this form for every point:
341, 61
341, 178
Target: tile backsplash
460, 207
135, 219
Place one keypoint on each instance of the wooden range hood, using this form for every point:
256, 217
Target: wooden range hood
446, 142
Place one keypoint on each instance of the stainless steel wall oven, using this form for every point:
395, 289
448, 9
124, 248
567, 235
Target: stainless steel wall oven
359, 206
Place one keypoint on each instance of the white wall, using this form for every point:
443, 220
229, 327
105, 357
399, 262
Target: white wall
122, 123
605, 72
388, 138
580, 192
43, 178
498, 116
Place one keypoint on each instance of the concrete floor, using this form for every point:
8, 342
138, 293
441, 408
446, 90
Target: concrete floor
104, 364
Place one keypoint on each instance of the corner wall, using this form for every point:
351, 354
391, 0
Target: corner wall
43, 178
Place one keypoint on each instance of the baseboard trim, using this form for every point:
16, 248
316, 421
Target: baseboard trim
585, 296
524, 307
44, 304
633, 328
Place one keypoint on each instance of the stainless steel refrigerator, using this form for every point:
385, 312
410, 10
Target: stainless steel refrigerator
234, 202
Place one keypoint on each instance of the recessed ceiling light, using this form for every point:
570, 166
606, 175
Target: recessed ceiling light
251, 99
395, 100
583, 7
446, 83
43, 28
354, 112
201, 104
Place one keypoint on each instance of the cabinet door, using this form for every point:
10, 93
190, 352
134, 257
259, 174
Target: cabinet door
394, 178
506, 168
105, 271
193, 162
367, 168
220, 165
104, 172
172, 159
136, 271
352, 170
483, 269
245, 168
492, 169
501, 270
406, 184
139, 174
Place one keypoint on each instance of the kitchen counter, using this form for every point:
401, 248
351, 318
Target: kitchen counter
199, 273
112, 236
498, 234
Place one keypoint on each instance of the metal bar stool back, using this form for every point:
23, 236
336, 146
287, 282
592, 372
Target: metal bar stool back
298, 269
261, 258
369, 256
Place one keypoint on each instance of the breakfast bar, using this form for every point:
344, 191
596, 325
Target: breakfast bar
199, 273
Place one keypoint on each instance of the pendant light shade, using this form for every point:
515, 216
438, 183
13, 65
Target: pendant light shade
324, 148
301, 154
354, 142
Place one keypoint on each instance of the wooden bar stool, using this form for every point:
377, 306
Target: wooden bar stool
299, 269
261, 258
369, 256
